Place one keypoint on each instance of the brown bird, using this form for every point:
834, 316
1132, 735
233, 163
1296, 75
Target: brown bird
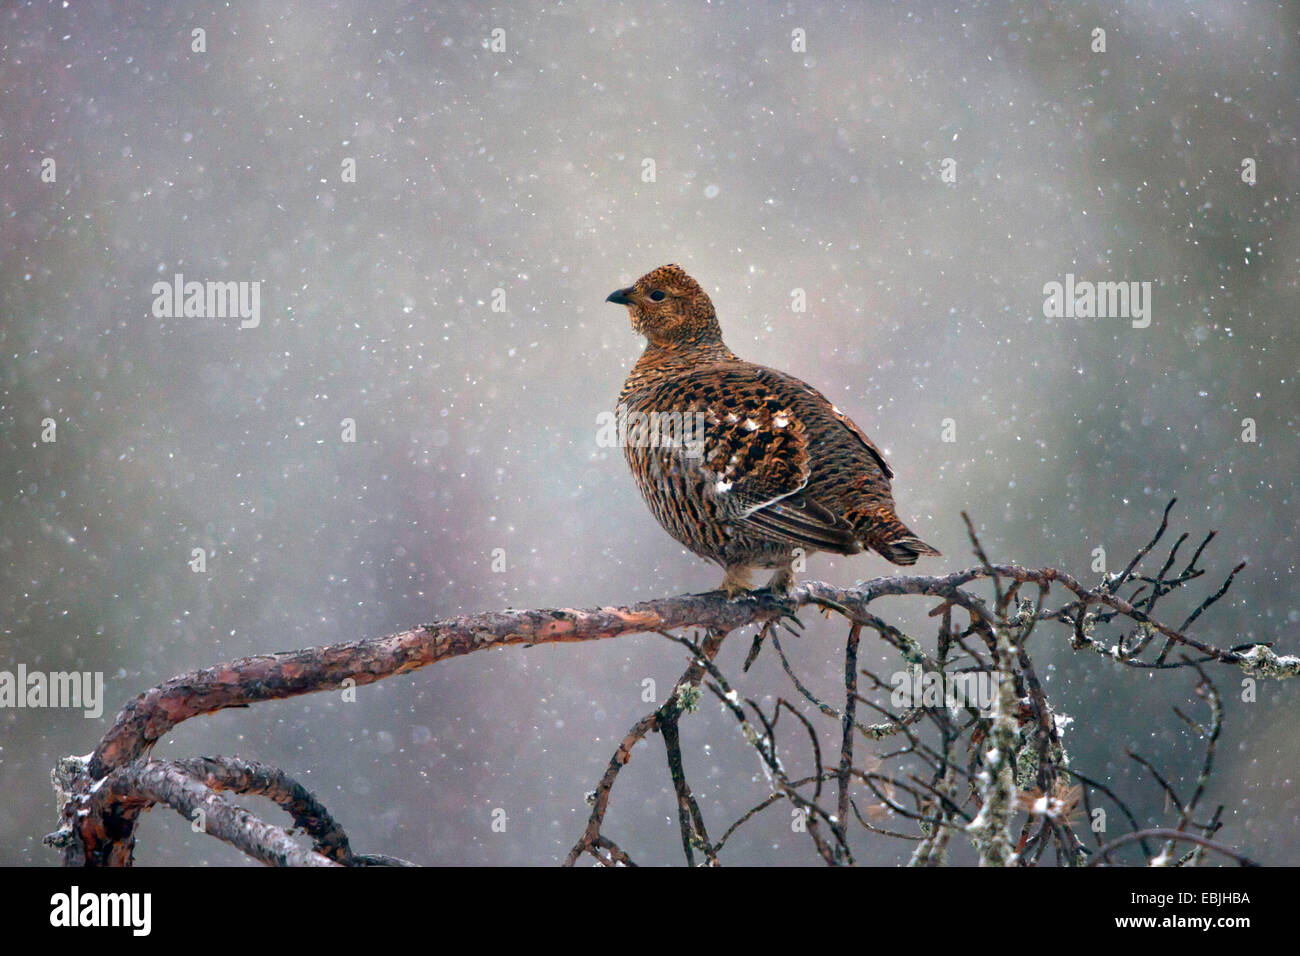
745, 465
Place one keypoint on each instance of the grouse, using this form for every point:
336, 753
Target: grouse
745, 465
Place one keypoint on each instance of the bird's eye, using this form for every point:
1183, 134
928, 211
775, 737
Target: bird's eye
657, 295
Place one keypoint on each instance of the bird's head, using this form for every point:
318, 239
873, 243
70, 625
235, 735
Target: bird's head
670, 309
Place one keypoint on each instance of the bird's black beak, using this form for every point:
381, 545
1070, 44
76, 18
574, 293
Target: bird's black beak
619, 296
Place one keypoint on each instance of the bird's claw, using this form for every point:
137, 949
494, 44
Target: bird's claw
786, 616
786, 609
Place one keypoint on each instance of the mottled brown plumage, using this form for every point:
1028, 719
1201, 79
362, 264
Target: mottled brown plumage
779, 468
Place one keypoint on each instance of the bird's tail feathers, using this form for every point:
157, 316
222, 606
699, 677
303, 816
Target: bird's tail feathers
895, 541
906, 550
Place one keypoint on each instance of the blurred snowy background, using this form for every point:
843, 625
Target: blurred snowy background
521, 170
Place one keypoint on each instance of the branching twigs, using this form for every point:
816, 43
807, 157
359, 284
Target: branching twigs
114, 806
987, 767
1103, 855
309, 814
191, 788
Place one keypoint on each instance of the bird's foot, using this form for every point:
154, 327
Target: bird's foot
736, 583
775, 599
784, 614
782, 582
786, 611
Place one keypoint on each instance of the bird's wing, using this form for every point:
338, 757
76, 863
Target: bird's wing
755, 460
870, 445
843, 419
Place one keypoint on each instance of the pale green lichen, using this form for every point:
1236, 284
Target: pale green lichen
1024, 614
990, 831
912, 651
1027, 763
1261, 661
688, 698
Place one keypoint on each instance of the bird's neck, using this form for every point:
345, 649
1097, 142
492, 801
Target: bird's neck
677, 354
659, 363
